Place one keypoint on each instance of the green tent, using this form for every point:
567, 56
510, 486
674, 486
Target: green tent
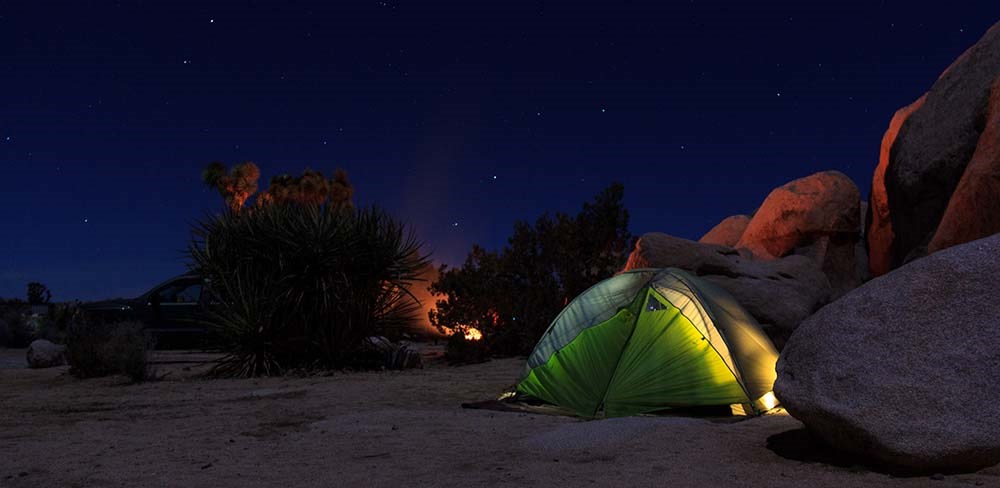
648, 340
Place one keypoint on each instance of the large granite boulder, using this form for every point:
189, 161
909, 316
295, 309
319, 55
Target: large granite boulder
879, 226
779, 293
926, 153
905, 370
817, 216
974, 208
45, 354
727, 232
802, 211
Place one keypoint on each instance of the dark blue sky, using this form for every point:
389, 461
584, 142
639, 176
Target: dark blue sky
111, 109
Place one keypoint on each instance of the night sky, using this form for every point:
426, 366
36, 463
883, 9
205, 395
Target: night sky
456, 116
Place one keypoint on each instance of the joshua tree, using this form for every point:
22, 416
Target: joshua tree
312, 188
341, 191
38, 294
235, 185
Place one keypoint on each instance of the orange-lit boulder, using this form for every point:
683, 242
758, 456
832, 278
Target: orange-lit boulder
928, 159
727, 232
973, 211
818, 216
800, 212
879, 232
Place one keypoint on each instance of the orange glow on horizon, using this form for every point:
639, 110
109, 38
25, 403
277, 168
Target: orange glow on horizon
428, 303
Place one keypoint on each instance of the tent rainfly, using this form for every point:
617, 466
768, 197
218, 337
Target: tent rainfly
649, 340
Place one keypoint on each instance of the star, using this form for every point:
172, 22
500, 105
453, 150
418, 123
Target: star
494, 177
187, 61
779, 94
211, 21
454, 224
86, 221
602, 110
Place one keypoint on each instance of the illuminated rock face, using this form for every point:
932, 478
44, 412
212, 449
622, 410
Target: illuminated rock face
926, 153
905, 370
798, 213
880, 226
974, 209
817, 216
728, 232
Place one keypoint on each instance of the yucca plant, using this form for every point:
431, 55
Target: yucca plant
303, 286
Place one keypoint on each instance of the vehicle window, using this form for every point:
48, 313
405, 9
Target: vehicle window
186, 293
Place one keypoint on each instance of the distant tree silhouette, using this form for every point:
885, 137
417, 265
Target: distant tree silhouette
312, 188
512, 295
38, 294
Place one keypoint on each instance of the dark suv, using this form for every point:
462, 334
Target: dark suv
177, 305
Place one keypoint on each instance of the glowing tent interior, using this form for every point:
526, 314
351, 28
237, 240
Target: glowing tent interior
649, 340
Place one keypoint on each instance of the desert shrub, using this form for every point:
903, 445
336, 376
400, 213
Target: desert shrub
104, 349
15, 329
512, 295
460, 350
303, 286
53, 325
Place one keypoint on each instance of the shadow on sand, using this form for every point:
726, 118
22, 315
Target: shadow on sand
801, 445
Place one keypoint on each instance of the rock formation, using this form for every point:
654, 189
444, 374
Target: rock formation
801, 212
728, 232
929, 148
974, 208
905, 370
818, 216
44, 354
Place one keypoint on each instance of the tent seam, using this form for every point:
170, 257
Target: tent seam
738, 379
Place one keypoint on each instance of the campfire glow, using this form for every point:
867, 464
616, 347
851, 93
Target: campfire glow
428, 304
471, 333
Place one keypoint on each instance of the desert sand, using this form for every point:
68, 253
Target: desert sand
371, 429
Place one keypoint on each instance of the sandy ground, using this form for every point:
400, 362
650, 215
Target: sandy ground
370, 429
